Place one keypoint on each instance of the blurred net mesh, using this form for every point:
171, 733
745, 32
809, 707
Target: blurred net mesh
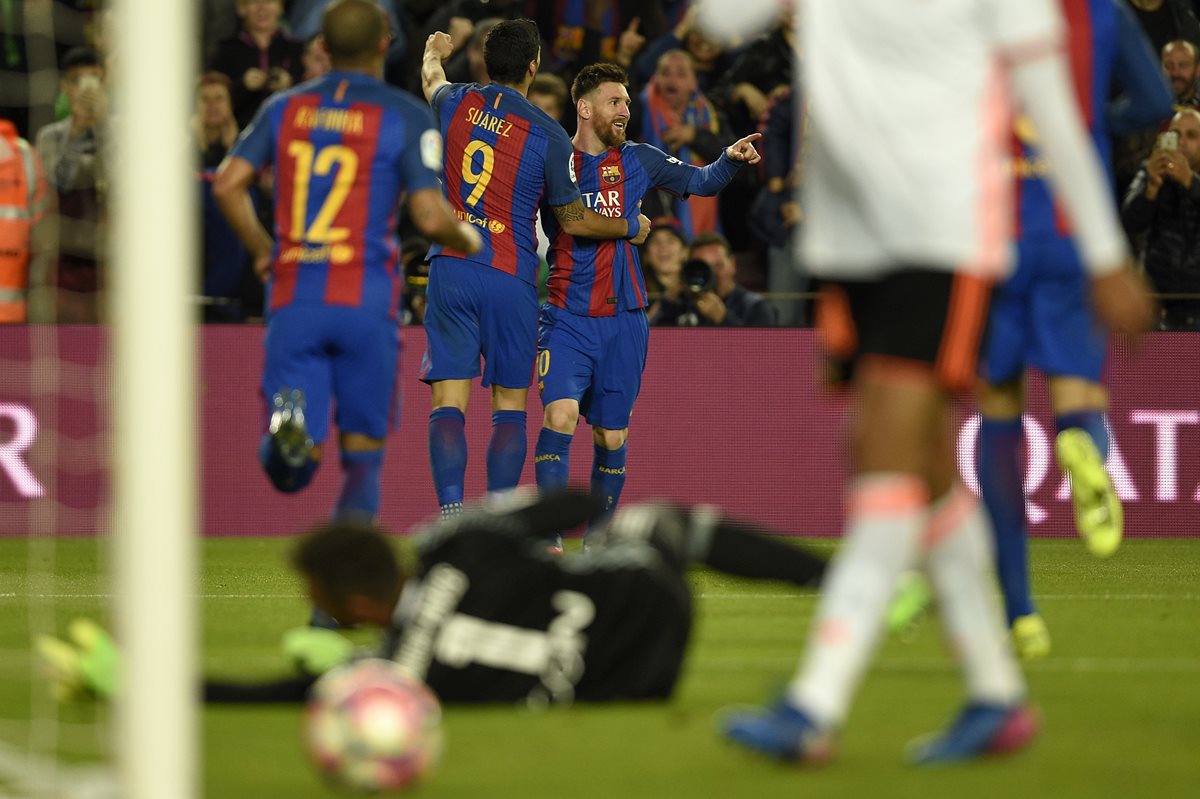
54, 455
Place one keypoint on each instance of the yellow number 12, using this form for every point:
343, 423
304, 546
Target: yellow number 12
481, 178
309, 162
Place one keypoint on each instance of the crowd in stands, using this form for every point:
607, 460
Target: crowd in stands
693, 94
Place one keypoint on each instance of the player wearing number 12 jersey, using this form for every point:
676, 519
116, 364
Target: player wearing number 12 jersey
344, 148
503, 156
593, 333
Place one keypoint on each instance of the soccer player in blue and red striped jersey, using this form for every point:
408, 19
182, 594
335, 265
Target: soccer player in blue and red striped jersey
503, 156
345, 147
593, 334
1041, 318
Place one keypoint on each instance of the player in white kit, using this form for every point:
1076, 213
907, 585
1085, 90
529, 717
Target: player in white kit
909, 241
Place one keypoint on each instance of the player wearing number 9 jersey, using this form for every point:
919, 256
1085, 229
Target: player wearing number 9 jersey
593, 334
344, 147
503, 156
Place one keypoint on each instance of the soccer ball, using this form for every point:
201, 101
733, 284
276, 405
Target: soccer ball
371, 727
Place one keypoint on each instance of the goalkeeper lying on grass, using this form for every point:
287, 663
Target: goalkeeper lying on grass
489, 615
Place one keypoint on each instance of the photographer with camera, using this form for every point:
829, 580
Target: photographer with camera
701, 290
722, 301
1163, 206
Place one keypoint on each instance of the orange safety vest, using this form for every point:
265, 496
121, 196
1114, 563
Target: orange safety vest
22, 202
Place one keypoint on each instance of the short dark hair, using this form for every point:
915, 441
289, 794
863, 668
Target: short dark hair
78, 57
710, 238
591, 76
349, 558
215, 79
352, 30
551, 84
509, 48
667, 224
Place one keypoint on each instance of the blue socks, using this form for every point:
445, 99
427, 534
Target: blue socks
448, 455
608, 478
1000, 482
288, 479
359, 498
1090, 421
506, 451
552, 460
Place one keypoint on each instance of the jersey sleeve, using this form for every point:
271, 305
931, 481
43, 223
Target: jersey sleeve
421, 155
561, 187
664, 171
441, 94
1022, 29
680, 179
257, 142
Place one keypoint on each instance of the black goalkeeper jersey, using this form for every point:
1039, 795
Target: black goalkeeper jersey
493, 617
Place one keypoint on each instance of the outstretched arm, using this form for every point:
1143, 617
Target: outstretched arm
701, 534
438, 47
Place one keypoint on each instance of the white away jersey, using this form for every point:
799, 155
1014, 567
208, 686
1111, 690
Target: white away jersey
910, 118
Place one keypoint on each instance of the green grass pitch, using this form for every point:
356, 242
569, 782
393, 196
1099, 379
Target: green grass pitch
1120, 695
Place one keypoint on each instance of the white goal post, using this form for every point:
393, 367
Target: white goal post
154, 257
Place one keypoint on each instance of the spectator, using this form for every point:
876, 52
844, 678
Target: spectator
776, 210
315, 59
1178, 59
580, 32
213, 125
459, 19
762, 69
1166, 20
549, 93
709, 59
261, 59
230, 289
1179, 64
467, 64
304, 24
22, 203
1163, 203
675, 117
72, 152
218, 23
727, 304
663, 255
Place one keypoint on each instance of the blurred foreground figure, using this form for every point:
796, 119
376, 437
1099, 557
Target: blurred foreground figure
909, 245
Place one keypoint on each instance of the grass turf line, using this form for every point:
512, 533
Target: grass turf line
1120, 695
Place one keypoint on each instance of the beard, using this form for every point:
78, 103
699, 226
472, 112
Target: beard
609, 136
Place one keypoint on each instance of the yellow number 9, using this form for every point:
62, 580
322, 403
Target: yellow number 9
481, 178
543, 362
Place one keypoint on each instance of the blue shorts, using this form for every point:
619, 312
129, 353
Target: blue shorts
472, 311
1042, 317
335, 353
597, 361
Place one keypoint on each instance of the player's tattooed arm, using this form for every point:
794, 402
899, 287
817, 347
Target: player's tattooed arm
433, 216
568, 214
583, 222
